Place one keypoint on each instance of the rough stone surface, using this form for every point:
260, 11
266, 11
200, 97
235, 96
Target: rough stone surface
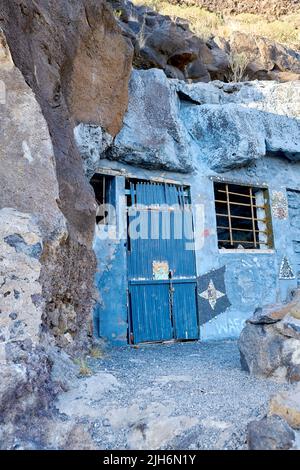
268, 314
170, 124
290, 327
29, 218
270, 342
74, 58
267, 60
270, 8
271, 433
287, 405
168, 44
260, 349
20, 289
275, 313
92, 141
56, 433
60, 63
153, 135
176, 396
237, 124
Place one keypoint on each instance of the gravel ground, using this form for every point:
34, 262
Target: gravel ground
174, 396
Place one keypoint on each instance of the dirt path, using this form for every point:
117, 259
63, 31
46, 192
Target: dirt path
175, 396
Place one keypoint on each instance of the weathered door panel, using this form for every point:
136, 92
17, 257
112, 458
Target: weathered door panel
159, 259
150, 313
184, 310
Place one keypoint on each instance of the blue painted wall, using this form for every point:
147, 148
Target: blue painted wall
110, 313
251, 278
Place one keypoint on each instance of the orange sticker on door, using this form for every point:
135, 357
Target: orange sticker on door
160, 270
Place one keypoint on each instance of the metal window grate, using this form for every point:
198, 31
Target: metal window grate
243, 216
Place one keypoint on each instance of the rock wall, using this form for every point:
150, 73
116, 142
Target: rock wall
169, 44
77, 63
29, 216
60, 63
171, 125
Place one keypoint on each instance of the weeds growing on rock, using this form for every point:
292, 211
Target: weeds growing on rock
84, 369
238, 62
97, 353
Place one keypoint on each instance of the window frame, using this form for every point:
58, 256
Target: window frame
108, 198
259, 246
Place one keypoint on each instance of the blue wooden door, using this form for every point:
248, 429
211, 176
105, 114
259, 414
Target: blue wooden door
161, 264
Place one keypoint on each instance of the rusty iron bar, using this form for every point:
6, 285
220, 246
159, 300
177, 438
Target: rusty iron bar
240, 217
239, 204
243, 229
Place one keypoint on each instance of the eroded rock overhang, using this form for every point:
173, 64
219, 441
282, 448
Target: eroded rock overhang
174, 125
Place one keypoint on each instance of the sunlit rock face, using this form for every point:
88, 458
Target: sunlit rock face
60, 63
172, 125
71, 62
153, 134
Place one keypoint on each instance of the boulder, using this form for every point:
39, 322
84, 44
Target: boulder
270, 433
276, 312
267, 60
270, 342
153, 135
289, 326
260, 349
267, 315
287, 406
169, 44
291, 358
163, 42
237, 124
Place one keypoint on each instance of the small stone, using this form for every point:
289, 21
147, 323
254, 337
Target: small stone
293, 373
13, 315
68, 337
16, 294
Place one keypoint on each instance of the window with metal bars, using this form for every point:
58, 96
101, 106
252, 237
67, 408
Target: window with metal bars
243, 217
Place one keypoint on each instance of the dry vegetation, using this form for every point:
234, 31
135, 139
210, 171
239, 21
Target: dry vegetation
205, 24
84, 369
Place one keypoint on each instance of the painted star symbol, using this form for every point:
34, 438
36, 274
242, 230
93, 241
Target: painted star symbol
212, 294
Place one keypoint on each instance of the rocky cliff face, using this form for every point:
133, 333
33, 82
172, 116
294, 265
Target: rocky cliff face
169, 44
60, 63
270, 8
77, 64
171, 124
